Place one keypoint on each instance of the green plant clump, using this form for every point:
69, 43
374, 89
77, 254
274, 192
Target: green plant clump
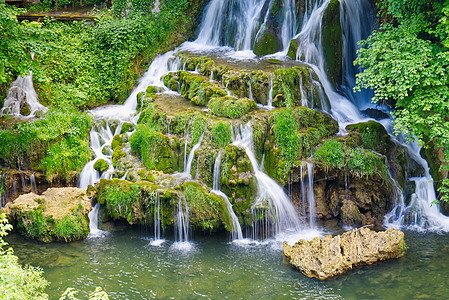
231, 107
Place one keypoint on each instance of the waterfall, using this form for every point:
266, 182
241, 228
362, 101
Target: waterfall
236, 229
157, 241
188, 167
280, 212
311, 195
22, 96
310, 51
357, 19
270, 95
182, 229
33, 183
237, 24
421, 213
307, 192
93, 223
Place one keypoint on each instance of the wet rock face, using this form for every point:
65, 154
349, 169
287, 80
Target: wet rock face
59, 214
332, 256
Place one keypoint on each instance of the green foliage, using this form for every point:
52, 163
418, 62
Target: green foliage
15, 57
72, 228
198, 127
231, 107
221, 134
154, 148
120, 199
286, 133
406, 63
204, 207
331, 155
57, 144
363, 162
101, 165
18, 282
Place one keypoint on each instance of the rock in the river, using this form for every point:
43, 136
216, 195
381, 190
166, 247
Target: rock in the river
333, 256
59, 214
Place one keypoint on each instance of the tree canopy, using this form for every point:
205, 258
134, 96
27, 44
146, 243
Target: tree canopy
405, 61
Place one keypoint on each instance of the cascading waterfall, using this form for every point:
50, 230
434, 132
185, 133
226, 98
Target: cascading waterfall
357, 19
307, 192
188, 167
93, 223
102, 137
33, 183
310, 51
182, 229
238, 23
236, 229
279, 210
22, 96
157, 241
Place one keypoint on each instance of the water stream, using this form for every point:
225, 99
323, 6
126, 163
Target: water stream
236, 229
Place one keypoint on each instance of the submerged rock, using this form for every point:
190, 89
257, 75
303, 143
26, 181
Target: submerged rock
332, 256
59, 214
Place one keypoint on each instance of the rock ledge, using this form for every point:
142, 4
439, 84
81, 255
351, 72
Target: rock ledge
332, 256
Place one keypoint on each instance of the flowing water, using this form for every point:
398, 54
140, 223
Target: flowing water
22, 94
127, 268
236, 229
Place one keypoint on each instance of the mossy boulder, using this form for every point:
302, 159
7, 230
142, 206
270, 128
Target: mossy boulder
206, 209
126, 127
267, 43
260, 86
237, 179
231, 107
333, 42
237, 83
293, 137
101, 165
59, 214
135, 202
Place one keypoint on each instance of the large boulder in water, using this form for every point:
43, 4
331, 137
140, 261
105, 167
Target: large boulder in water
59, 214
332, 256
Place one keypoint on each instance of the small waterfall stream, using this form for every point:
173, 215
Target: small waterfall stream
182, 226
157, 240
236, 229
22, 97
277, 207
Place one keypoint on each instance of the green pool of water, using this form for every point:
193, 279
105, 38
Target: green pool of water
128, 267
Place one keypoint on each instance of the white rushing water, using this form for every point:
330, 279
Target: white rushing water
238, 24
157, 240
271, 197
236, 229
22, 94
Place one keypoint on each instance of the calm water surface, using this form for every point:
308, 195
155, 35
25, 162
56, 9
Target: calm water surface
128, 267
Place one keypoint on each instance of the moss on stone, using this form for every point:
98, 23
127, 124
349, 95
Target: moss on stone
206, 209
332, 42
231, 107
101, 165
266, 44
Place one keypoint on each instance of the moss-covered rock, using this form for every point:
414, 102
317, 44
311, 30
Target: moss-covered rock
267, 43
260, 86
59, 214
196, 88
101, 165
237, 83
126, 127
206, 209
237, 179
332, 42
231, 107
